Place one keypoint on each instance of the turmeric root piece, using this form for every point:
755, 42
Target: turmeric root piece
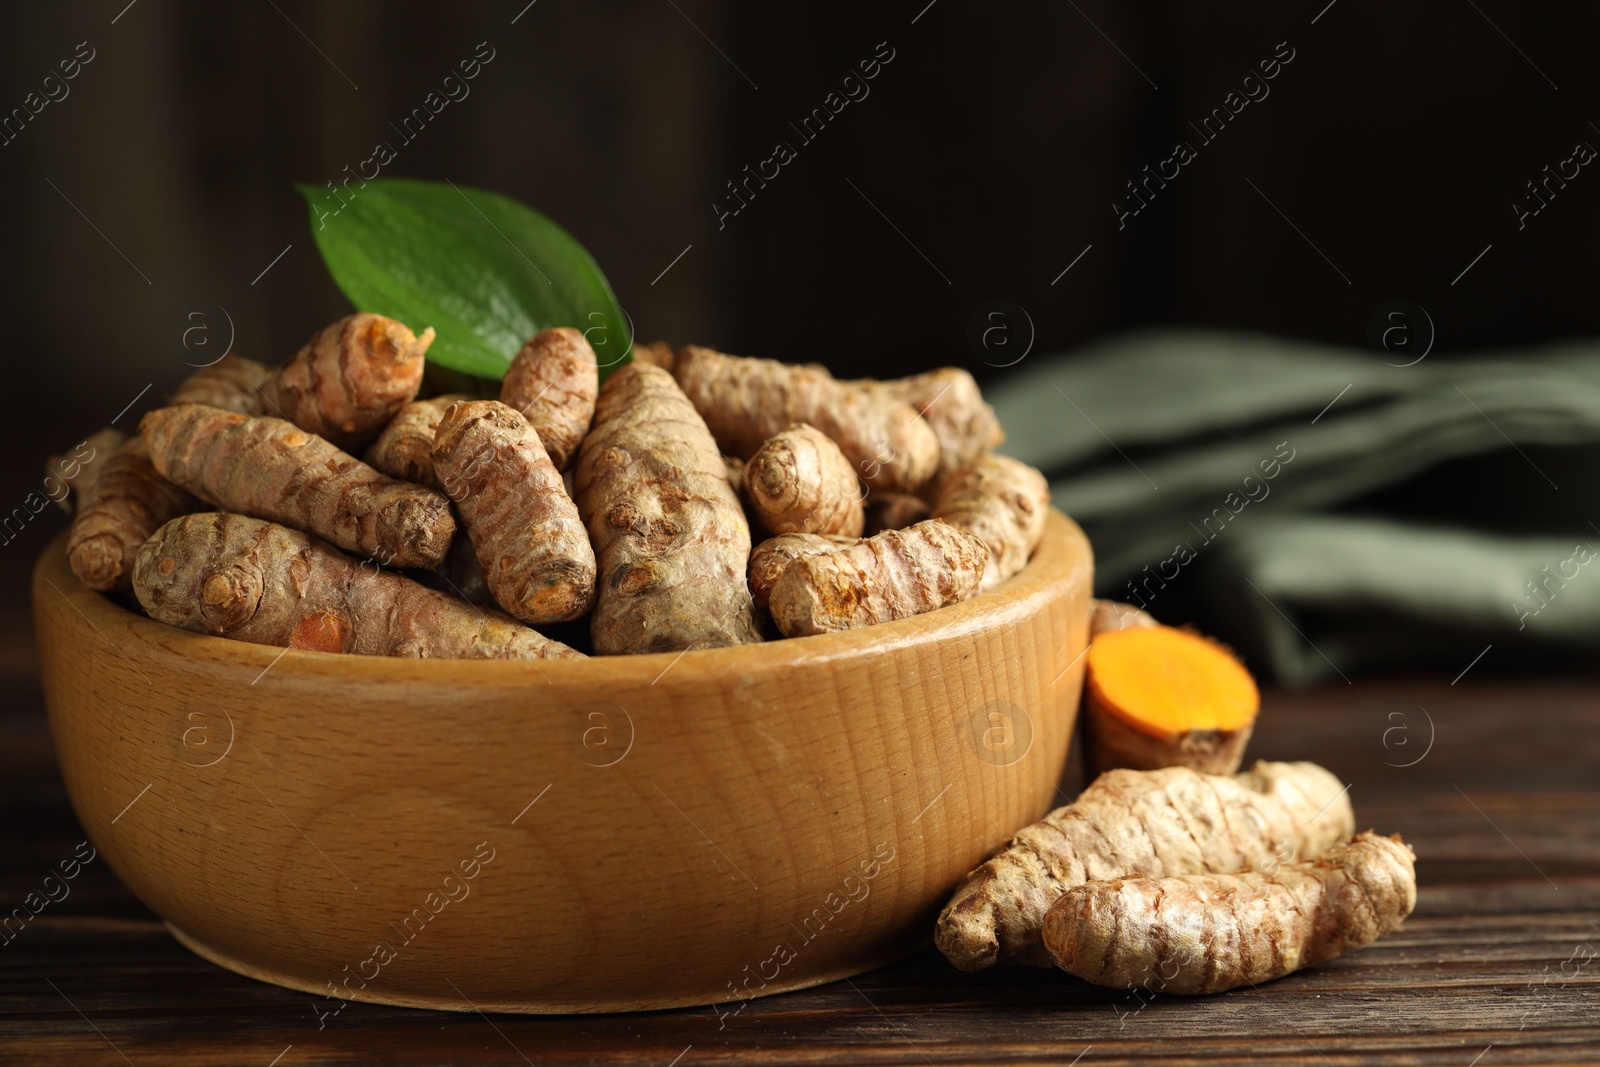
232, 383
657, 354
1109, 615
668, 532
1129, 824
1204, 933
234, 576
1004, 502
1159, 697
126, 503
404, 449
271, 469
745, 401
78, 472
772, 557
553, 382
894, 511
897, 574
952, 404
799, 482
350, 379
534, 550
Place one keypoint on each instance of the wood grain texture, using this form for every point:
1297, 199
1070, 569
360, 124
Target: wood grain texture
96, 977
617, 833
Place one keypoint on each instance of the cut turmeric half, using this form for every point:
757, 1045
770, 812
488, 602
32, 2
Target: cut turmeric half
1157, 697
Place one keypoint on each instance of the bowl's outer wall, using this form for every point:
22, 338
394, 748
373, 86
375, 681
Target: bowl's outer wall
619, 833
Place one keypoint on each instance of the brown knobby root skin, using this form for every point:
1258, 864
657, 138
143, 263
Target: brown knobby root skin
772, 557
1205, 933
657, 354
271, 469
668, 532
952, 404
250, 580
1109, 615
894, 511
350, 379
404, 449
553, 382
799, 482
79, 470
744, 401
894, 575
1004, 503
1129, 824
232, 383
533, 547
126, 503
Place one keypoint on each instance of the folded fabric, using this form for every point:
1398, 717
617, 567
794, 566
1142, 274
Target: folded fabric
1261, 485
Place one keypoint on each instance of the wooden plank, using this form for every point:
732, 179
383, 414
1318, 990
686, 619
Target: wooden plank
1495, 964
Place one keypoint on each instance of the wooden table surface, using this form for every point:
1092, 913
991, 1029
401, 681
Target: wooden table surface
1495, 782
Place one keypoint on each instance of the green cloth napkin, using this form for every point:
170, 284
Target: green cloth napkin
1323, 511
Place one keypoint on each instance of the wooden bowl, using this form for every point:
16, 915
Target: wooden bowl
565, 836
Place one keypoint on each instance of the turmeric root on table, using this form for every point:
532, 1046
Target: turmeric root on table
232, 383
533, 547
350, 379
1204, 933
670, 537
126, 503
799, 482
404, 449
270, 469
1004, 502
952, 404
234, 576
772, 557
894, 575
744, 401
1156, 697
553, 382
1131, 824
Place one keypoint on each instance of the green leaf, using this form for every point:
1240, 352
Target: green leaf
486, 272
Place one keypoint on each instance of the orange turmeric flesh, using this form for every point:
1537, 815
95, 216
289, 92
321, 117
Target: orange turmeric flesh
1164, 681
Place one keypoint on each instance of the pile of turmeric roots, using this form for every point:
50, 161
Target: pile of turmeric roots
1174, 872
1179, 881
468, 526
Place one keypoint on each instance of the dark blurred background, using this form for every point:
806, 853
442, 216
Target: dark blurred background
984, 160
